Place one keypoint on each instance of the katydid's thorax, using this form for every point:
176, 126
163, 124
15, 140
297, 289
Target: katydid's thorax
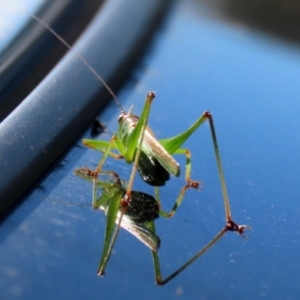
127, 123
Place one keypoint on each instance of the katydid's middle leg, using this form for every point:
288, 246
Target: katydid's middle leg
176, 204
188, 167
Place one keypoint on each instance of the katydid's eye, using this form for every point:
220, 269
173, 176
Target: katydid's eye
121, 117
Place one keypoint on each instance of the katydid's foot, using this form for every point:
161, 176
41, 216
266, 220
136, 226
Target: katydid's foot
89, 172
194, 184
239, 229
101, 273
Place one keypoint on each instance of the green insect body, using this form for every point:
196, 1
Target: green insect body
150, 146
153, 160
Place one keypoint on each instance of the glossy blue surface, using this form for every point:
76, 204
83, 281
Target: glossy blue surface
250, 82
13, 17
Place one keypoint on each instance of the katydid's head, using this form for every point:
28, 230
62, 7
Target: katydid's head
129, 116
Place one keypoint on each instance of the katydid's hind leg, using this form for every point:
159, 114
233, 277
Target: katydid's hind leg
229, 226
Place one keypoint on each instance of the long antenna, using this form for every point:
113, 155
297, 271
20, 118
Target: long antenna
81, 58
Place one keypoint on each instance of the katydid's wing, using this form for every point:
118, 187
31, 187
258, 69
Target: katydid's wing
151, 147
143, 208
151, 170
141, 232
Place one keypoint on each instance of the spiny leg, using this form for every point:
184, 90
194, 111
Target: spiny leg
230, 225
173, 144
158, 278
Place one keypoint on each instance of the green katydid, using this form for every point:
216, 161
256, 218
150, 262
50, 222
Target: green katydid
136, 144
138, 219
132, 153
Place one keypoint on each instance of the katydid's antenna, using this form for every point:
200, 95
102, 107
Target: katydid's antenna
81, 58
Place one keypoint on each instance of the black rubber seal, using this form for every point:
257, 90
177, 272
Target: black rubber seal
37, 132
34, 52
